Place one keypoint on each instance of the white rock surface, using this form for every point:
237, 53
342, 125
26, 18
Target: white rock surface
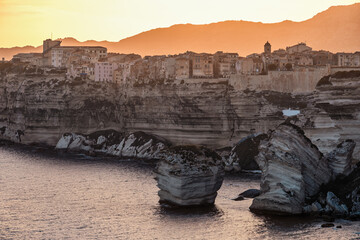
137, 145
292, 169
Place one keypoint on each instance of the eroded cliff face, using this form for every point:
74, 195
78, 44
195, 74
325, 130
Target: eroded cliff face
39, 109
333, 113
207, 112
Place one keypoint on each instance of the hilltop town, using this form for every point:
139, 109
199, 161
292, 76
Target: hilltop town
96, 64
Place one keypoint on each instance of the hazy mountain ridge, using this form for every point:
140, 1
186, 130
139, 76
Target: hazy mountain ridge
336, 30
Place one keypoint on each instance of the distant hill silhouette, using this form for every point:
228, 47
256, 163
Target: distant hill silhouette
336, 29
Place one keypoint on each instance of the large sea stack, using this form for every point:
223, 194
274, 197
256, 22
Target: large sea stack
292, 169
189, 176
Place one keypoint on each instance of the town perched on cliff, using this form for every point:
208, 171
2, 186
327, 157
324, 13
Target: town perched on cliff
95, 63
293, 114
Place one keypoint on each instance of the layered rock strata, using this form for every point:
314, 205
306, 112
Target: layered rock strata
340, 159
292, 169
210, 112
189, 176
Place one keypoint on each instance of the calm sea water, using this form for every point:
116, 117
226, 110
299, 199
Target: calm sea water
50, 196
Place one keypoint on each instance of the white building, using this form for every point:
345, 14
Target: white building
348, 59
104, 71
60, 55
298, 48
32, 58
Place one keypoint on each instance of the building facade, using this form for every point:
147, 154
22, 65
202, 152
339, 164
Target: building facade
298, 48
104, 71
202, 66
182, 68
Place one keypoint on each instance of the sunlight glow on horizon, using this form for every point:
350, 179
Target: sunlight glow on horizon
28, 22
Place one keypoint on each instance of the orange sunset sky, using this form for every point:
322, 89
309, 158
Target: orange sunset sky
28, 22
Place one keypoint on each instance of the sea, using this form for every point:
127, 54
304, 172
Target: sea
46, 194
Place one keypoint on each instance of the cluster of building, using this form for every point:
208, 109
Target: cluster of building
97, 64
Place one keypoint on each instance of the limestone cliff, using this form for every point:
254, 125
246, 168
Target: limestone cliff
41, 108
292, 169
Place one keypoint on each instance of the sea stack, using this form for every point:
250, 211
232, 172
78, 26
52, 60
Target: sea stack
189, 176
292, 169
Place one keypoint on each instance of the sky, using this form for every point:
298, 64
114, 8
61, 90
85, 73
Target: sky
29, 22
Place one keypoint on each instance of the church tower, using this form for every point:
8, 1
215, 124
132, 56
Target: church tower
267, 48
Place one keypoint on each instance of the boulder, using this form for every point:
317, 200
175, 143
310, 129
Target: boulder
343, 195
74, 142
239, 198
139, 145
335, 204
189, 175
327, 225
251, 193
292, 169
136, 145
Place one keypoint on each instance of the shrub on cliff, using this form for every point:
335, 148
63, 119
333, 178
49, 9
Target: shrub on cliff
288, 66
272, 67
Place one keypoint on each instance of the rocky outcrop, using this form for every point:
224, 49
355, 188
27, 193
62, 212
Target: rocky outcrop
135, 145
339, 198
189, 176
250, 193
340, 160
242, 155
333, 112
209, 112
139, 145
292, 169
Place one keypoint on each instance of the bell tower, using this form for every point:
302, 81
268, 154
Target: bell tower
267, 48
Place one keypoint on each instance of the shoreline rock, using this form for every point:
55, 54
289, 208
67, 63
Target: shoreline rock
340, 160
110, 142
189, 176
298, 179
292, 169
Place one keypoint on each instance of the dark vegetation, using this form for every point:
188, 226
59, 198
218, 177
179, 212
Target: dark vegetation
142, 138
272, 67
336, 112
350, 74
190, 152
284, 100
112, 137
325, 81
288, 66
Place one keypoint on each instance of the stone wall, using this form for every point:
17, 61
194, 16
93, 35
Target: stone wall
302, 80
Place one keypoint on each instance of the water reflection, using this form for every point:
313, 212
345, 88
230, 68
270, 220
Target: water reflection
58, 196
188, 212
